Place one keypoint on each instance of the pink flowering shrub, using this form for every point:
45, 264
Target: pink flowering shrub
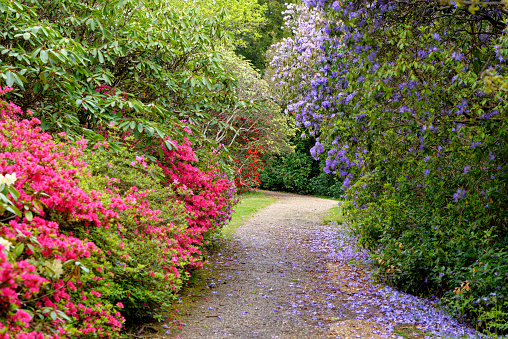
99, 239
164, 227
47, 275
207, 194
145, 254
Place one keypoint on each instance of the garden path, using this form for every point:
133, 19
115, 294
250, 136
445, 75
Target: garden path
270, 280
285, 275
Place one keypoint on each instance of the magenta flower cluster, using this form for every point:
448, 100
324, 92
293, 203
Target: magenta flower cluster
55, 281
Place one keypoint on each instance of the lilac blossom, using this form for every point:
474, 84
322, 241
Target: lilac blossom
459, 194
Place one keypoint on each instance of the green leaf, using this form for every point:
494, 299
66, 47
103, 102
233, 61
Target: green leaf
43, 56
19, 249
9, 78
14, 192
19, 79
101, 57
29, 216
31, 248
207, 83
149, 130
26, 36
5, 199
63, 315
162, 135
170, 145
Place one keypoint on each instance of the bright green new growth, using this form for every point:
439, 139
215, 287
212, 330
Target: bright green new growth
243, 18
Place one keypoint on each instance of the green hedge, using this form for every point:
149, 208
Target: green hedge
298, 172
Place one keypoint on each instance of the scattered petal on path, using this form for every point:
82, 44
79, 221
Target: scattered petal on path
284, 275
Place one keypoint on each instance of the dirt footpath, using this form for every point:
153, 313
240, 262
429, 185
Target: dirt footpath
284, 275
268, 282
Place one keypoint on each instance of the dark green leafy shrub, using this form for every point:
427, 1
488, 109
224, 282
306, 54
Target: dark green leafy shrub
290, 173
298, 172
159, 63
327, 185
433, 247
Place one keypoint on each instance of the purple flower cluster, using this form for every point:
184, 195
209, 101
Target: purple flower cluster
459, 195
394, 88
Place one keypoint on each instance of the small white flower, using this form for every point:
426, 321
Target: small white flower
57, 267
51, 269
10, 179
5, 243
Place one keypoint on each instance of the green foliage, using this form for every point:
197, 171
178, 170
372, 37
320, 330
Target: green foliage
161, 64
298, 172
270, 32
428, 247
241, 17
259, 121
326, 185
288, 173
129, 258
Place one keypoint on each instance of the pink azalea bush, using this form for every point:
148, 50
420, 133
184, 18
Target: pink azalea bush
46, 272
90, 249
207, 194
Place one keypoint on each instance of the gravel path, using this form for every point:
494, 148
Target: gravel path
284, 275
267, 281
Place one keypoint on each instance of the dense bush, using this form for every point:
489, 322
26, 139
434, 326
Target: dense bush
250, 130
147, 67
298, 172
55, 283
291, 173
93, 241
164, 64
407, 102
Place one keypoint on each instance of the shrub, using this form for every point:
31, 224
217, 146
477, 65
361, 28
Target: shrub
163, 61
53, 283
207, 194
247, 171
327, 185
85, 244
408, 105
298, 172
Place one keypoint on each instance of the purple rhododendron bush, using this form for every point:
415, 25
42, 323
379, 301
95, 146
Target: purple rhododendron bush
90, 239
407, 102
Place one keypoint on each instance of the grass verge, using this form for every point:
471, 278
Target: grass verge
249, 204
334, 215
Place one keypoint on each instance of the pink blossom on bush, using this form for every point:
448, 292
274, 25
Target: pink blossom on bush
48, 186
63, 217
